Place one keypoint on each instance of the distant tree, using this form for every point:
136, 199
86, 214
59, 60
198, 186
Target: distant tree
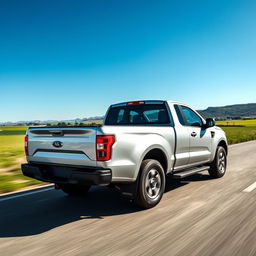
61, 124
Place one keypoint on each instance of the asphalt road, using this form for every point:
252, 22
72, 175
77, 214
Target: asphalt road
197, 216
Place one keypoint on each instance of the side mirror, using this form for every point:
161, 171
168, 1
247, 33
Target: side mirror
196, 124
209, 122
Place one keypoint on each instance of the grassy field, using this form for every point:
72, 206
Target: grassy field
238, 122
240, 134
12, 151
11, 156
246, 132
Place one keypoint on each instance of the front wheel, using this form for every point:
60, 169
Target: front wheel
151, 184
219, 165
74, 190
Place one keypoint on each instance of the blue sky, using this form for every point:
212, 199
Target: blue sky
67, 59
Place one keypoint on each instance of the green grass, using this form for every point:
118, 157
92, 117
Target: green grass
11, 145
239, 134
11, 156
15, 180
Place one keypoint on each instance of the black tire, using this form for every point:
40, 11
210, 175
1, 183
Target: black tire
219, 165
74, 190
151, 184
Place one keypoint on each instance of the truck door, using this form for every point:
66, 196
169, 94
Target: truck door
182, 141
200, 138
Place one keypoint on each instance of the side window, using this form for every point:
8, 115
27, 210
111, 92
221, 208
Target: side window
191, 118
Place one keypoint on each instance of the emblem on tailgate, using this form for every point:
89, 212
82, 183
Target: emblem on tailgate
57, 144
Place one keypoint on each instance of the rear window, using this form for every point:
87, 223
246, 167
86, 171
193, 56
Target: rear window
147, 114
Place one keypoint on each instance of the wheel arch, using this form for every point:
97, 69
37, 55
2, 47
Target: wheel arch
159, 155
223, 144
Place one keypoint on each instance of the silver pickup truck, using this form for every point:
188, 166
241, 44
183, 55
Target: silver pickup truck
138, 144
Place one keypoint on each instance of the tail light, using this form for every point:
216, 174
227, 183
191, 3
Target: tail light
26, 145
104, 145
136, 102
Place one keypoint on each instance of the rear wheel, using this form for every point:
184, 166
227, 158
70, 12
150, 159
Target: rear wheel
151, 184
74, 190
219, 165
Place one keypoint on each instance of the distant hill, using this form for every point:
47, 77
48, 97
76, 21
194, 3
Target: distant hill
93, 119
231, 111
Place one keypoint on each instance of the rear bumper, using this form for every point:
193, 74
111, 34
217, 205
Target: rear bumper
67, 175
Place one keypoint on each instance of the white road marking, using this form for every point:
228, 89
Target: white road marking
5, 198
250, 188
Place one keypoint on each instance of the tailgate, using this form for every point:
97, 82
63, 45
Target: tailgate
71, 146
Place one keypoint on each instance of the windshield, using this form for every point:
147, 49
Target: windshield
142, 114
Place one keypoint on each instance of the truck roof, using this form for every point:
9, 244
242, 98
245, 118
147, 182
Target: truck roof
146, 102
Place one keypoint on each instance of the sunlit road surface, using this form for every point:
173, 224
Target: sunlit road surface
197, 216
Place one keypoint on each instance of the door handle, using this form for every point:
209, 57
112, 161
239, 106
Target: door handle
193, 134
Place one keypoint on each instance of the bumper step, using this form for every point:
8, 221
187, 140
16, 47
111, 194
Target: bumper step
190, 171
